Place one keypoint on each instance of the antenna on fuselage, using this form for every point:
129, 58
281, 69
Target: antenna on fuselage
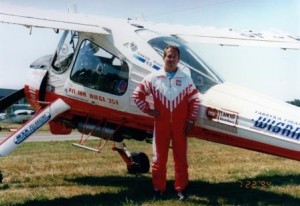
72, 9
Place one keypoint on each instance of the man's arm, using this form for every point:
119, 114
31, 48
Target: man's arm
139, 97
194, 106
194, 103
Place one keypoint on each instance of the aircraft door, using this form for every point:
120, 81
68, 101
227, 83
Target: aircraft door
98, 69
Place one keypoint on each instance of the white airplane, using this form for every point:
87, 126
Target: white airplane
88, 82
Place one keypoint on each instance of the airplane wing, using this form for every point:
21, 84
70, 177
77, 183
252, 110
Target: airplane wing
32, 17
244, 38
226, 37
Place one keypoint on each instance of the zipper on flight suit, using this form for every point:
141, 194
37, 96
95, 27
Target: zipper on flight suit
170, 93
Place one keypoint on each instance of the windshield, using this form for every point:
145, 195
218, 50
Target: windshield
65, 51
203, 76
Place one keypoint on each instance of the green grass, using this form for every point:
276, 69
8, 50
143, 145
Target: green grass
57, 173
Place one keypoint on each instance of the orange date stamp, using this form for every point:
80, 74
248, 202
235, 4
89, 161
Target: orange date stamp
255, 184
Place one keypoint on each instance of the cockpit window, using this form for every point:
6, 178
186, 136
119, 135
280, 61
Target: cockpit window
203, 77
65, 51
100, 70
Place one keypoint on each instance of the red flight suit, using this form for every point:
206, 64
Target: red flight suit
177, 101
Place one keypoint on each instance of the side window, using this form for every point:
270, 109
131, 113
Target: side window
100, 70
65, 51
203, 76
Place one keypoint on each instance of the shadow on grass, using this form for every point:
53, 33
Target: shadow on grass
137, 190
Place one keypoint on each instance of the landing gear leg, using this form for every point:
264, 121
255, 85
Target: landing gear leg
1, 177
137, 162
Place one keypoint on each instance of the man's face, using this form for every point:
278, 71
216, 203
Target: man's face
171, 60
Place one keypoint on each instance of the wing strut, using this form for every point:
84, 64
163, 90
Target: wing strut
101, 145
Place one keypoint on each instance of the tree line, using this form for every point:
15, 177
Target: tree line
295, 102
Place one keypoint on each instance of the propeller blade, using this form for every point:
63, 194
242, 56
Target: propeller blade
11, 99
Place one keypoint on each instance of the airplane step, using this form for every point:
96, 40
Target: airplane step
86, 147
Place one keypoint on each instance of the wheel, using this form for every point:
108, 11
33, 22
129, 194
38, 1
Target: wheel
139, 163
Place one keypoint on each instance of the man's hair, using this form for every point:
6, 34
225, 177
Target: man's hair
170, 46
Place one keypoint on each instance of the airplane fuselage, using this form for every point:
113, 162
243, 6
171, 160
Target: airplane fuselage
96, 75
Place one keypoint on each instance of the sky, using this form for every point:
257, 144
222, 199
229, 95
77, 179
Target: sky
271, 71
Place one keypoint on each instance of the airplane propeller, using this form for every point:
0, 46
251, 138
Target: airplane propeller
11, 99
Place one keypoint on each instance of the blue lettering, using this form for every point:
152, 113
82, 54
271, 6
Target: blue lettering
32, 128
287, 130
261, 123
297, 131
277, 127
271, 125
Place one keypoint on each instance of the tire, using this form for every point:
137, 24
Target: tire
139, 163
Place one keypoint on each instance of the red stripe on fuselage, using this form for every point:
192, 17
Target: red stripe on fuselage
85, 109
99, 112
240, 142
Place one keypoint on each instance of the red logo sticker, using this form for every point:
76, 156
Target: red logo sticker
178, 82
211, 113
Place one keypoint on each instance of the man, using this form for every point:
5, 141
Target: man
176, 106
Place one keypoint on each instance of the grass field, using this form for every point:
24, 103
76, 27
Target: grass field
57, 173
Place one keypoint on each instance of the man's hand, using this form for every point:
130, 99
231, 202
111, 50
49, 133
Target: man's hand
188, 127
153, 112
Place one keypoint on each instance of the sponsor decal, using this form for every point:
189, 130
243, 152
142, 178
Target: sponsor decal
211, 113
91, 97
122, 86
222, 116
32, 127
276, 125
146, 60
50, 88
141, 59
218, 125
156, 67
